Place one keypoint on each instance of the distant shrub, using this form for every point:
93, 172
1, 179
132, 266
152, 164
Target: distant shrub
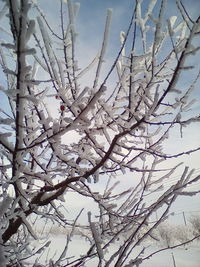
195, 222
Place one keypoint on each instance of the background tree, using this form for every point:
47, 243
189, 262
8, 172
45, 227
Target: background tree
117, 128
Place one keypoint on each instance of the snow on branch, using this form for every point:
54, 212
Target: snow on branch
69, 140
96, 236
104, 46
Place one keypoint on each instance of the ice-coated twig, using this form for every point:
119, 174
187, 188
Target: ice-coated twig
96, 236
104, 46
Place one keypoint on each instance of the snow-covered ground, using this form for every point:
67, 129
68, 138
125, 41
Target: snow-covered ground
189, 257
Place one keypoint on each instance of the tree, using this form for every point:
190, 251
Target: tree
195, 222
117, 128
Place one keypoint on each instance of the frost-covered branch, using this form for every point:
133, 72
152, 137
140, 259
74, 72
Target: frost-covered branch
65, 137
